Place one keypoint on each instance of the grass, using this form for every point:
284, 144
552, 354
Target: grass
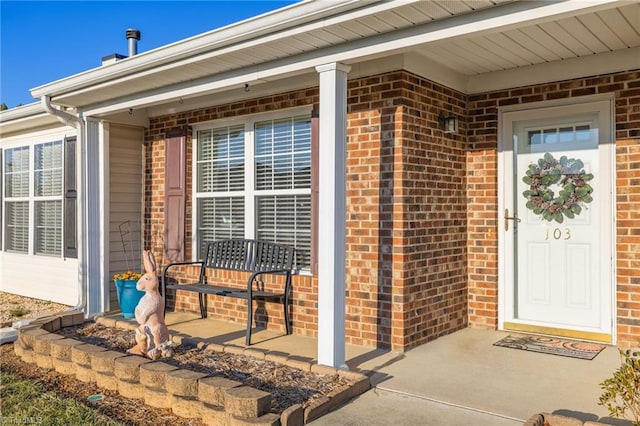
18, 312
23, 402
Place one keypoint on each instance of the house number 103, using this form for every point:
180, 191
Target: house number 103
557, 234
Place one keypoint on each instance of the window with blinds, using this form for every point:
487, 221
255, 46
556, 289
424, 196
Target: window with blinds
283, 184
48, 175
261, 169
220, 185
16, 193
33, 198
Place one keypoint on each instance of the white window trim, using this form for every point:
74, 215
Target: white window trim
31, 198
249, 193
580, 105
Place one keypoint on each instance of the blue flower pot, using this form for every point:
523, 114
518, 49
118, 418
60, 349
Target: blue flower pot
128, 297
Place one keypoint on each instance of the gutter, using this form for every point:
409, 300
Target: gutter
270, 24
78, 123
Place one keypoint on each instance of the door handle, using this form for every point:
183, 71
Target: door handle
507, 218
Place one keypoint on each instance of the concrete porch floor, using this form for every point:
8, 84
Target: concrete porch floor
459, 379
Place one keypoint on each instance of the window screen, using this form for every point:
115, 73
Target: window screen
270, 181
283, 180
48, 178
16, 192
33, 198
220, 164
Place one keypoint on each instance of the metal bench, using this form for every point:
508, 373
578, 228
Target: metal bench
251, 256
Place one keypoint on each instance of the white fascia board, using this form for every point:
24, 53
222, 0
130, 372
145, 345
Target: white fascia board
38, 134
25, 117
482, 22
160, 102
602, 63
225, 81
226, 96
21, 112
485, 21
275, 87
248, 30
220, 50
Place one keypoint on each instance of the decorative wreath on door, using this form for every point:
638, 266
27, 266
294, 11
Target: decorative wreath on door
567, 172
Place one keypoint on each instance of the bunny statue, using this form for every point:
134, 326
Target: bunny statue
152, 336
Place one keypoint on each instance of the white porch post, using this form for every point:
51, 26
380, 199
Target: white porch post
93, 232
332, 214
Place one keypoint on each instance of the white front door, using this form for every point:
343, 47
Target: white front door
556, 220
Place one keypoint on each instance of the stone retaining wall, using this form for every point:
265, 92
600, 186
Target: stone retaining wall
189, 394
548, 419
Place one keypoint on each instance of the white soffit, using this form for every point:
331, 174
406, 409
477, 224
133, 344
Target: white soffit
333, 26
603, 63
469, 37
26, 117
603, 31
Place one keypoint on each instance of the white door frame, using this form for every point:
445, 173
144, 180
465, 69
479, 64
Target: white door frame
505, 163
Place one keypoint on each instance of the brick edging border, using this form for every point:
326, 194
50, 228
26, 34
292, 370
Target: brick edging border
189, 394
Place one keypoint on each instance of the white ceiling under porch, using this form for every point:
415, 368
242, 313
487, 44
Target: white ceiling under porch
470, 45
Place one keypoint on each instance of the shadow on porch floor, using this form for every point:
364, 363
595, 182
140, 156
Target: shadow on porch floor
359, 358
458, 379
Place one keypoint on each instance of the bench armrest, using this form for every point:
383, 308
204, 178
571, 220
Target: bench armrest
171, 265
255, 275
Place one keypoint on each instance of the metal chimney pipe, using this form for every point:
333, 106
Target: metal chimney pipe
133, 36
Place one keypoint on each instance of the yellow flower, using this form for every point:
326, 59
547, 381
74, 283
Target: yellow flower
129, 275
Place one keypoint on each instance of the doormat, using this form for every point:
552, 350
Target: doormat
552, 345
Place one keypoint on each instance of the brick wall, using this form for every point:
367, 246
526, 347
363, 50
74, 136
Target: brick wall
406, 228
421, 206
482, 191
628, 236
406, 253
433, 204
270, 314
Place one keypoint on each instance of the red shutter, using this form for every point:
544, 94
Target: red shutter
175, 195
315, 138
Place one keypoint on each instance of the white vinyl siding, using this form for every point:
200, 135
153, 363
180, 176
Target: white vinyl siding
32, 217
253, 180
126, 187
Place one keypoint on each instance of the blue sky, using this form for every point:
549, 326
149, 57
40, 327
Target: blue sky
45, 41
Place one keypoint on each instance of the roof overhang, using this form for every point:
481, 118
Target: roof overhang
436, 38
25, 118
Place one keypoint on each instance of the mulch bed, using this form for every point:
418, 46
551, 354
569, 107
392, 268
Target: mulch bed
14, 307
287, 385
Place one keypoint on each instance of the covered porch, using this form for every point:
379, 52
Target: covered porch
426, 261
458, 379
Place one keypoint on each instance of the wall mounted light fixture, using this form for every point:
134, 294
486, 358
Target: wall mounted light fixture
448, 123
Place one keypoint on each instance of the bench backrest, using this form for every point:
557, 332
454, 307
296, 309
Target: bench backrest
249, 256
